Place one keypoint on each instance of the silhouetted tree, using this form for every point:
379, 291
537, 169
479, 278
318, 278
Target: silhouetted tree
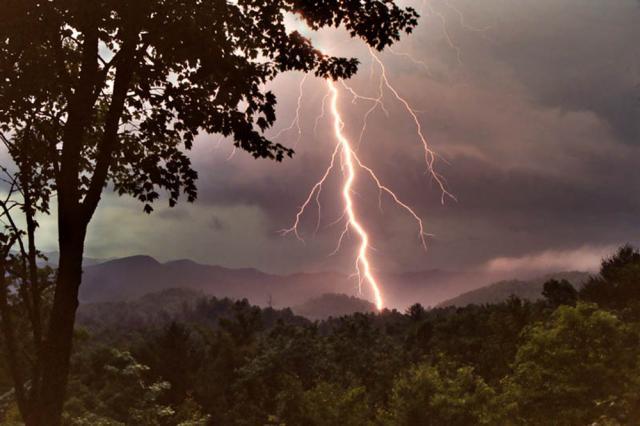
618, 282
559, 293
175, 356
513, 362
114, 90
579, 365
444, 394
25, 286
416, 312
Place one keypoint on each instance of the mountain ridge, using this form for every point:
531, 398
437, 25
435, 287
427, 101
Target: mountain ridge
524, 289
131, 277
332, 305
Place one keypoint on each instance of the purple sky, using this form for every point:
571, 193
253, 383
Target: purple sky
534, 107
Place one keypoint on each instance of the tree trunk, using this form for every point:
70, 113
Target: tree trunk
8, 332
74, 216
57, 346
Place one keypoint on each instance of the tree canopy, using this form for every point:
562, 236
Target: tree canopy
139, 80
228, 362
114, 91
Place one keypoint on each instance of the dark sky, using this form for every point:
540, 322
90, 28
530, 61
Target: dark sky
537, 121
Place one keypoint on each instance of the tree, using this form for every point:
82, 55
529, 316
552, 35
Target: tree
326, 404
559, 293
618, 283
116, 91
25, 286
575, 368
175, 356
440, 394
485, 337
116, 390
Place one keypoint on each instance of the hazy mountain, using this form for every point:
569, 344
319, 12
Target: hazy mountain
332, 305
174, 304
132, 277
148, 309
500, 291
53, 257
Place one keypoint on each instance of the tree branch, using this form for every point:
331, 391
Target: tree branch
8, 331
80, 112
124, 73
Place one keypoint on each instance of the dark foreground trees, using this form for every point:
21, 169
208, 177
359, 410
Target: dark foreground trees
229, 363
226, 362
618, 283
115, 91
579, 366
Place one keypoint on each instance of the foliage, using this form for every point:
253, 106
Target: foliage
486, 337
618, 283
574, 368
530, 289
153, 74
110, 91
116, 389
441, 394
559, 292
230, 363
333, 305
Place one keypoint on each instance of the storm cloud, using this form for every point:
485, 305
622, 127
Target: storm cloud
533, 106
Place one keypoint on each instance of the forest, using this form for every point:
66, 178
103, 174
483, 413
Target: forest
107, 99
571, 357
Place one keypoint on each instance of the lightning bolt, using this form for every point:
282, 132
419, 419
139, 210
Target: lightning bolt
411, 58
321, 115
429, 155
295, 123
351, 167
315, 190
445, 32
376, 103
363, 265
462, 20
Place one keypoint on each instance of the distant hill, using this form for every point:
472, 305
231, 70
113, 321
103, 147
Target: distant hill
159, 308
129, 278
332, 305
53, 257
175, 304
501, 291
149, 309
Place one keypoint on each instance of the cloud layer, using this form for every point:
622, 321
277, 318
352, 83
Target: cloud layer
534, 107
